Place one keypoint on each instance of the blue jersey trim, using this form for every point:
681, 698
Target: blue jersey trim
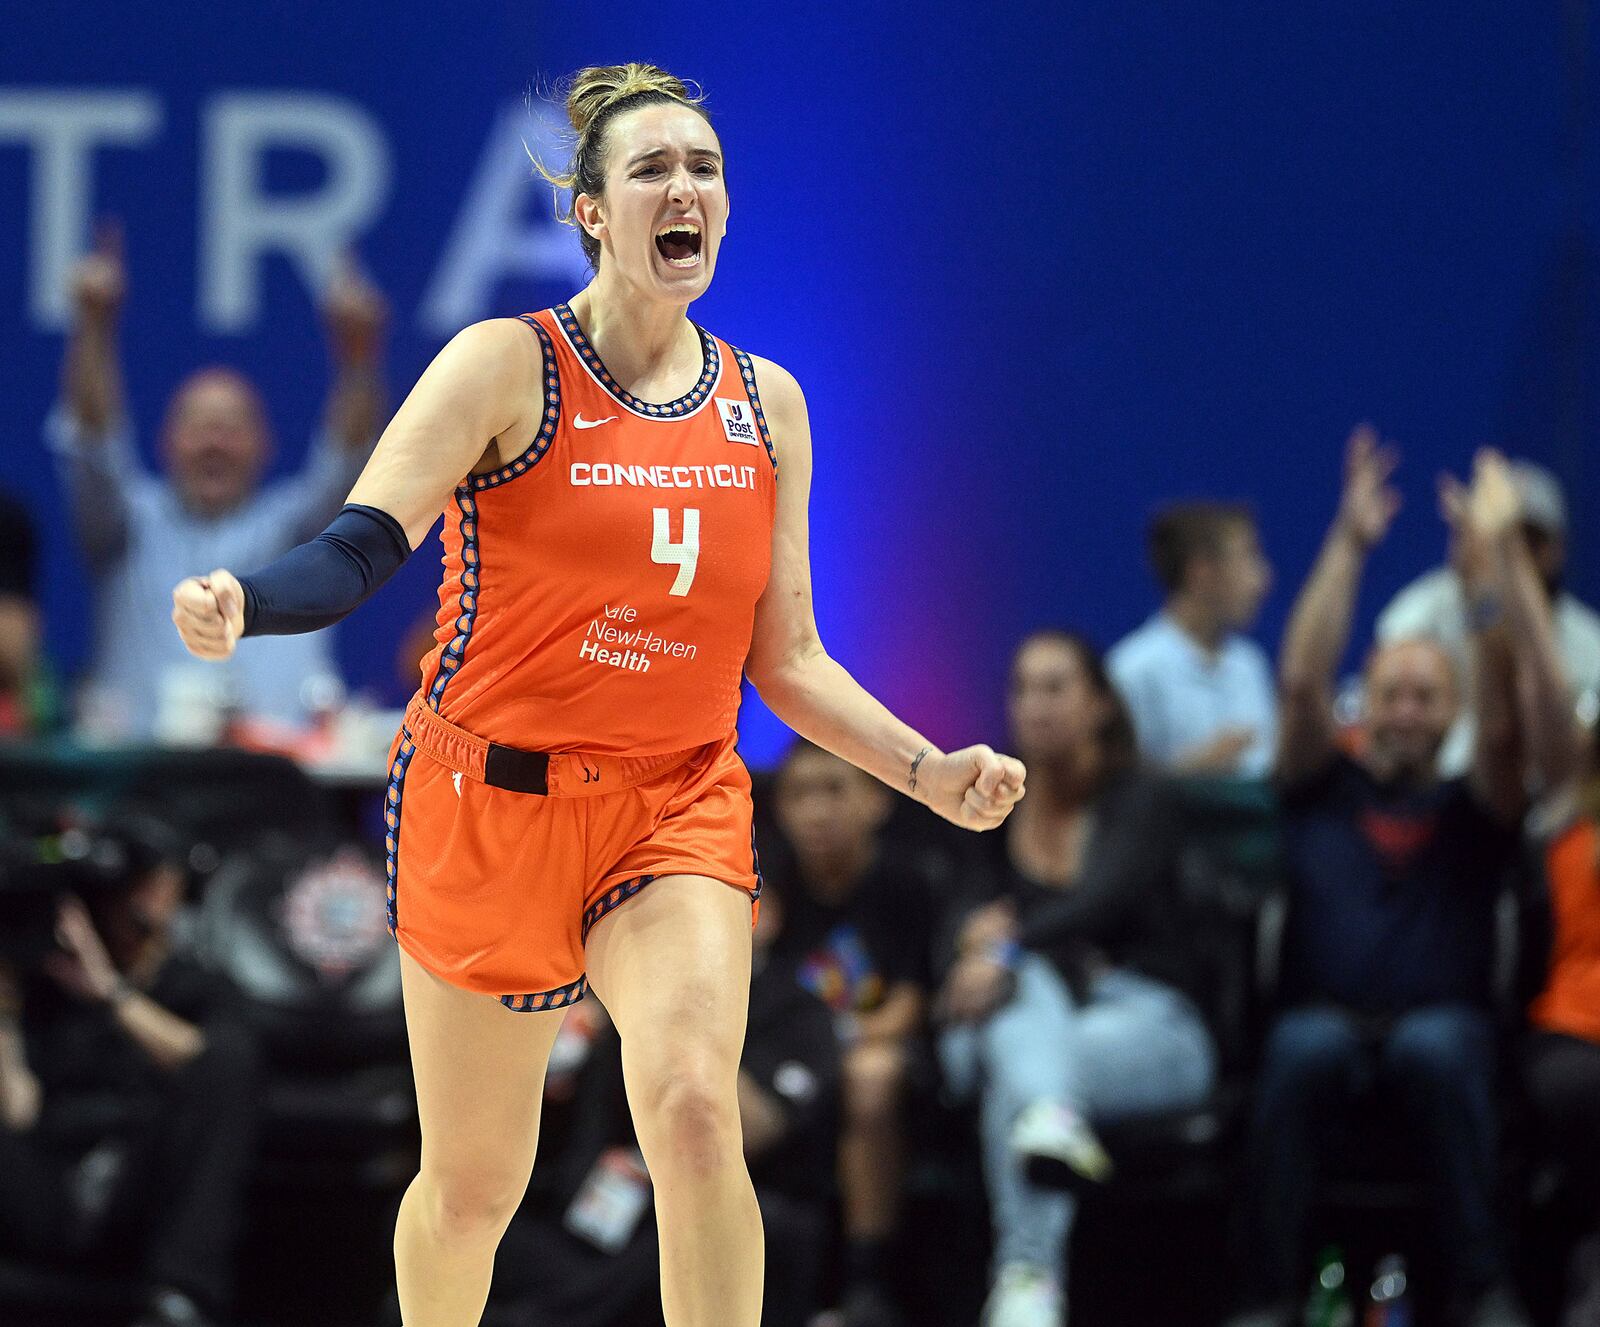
748, 373
559, 998
391, 823
613, 898
687, 404
467, 603
547, 425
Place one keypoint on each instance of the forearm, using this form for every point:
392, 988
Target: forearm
20, 1098
818, 698
761, 1116
899, 1016
353, 415
1543, 696
170, 1042
318, 583
1497, 766
1319, 627
91, 379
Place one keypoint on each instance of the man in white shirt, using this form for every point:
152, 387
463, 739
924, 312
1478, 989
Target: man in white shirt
1201, 693
1435, 606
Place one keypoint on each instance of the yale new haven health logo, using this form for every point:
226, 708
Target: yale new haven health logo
738, 421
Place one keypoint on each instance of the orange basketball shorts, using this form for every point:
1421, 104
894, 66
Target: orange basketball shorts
495, 890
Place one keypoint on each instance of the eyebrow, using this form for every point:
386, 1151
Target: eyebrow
661, 152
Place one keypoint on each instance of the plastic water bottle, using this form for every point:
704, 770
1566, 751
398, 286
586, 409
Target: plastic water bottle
1329, 1305
1389, 1305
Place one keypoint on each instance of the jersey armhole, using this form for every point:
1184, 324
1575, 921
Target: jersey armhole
748, 373
547, 425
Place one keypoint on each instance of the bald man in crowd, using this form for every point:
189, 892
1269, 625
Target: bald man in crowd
140, 533
1394, 874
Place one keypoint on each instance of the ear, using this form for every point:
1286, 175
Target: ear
587, 213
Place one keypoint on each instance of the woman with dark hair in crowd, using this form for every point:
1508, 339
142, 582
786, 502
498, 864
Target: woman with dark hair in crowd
1564, 1050
1066, 1001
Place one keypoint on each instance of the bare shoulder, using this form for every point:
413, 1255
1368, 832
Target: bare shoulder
497, 345
784, 405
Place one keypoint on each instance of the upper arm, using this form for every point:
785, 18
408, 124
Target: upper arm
486, 382
785, 624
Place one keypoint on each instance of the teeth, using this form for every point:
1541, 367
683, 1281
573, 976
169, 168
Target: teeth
680, 228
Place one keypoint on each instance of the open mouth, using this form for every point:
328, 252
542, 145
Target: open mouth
679, 243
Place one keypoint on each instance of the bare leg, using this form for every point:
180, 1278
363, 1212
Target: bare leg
871, 1145
673, 968
479, 1069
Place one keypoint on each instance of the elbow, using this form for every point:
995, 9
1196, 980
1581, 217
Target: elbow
780, 676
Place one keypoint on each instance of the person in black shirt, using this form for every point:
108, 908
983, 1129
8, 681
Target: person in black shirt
1066, 1001
127, 1104
858, 931
1393, 877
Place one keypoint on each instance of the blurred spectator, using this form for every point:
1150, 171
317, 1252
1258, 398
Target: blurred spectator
127, 1091
859, 933
141, 534
29, 701
1200, 692
1436, 606
1564, 1052
1067, 998
582, 1252
1393, 877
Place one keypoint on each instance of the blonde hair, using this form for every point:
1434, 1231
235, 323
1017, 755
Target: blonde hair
593, 97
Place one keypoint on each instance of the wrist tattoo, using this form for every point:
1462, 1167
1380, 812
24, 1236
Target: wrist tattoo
920, 757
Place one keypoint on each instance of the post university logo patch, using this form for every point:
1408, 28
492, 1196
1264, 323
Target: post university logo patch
738, 421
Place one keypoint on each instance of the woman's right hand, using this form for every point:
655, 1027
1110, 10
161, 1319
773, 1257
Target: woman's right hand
209, 614
976, 987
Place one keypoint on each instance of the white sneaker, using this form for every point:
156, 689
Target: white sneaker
1058, 1148
1025, 1296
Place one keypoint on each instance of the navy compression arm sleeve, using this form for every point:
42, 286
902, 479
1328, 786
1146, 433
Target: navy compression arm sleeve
314, 585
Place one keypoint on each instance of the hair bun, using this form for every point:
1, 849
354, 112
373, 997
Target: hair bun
595, 89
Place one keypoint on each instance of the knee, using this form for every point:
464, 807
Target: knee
692, 1117
1310, 1049
1444, 1050
467, 1205
874, 1081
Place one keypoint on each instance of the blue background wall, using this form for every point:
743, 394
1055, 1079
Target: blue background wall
1037, 275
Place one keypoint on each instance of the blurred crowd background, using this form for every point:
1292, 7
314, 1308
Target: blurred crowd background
1279, 997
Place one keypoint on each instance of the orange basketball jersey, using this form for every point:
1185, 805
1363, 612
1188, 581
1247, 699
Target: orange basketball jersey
599, 591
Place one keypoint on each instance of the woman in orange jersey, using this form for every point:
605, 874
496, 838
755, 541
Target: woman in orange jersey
625, 535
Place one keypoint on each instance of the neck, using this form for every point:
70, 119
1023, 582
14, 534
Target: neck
1391, 769
1197, 621
830, 877
1062, 784
635, 337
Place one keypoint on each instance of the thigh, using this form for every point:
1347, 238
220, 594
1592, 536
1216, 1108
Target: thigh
1140, 1049
479, 1070
1314, 1055
672, 967
1446, 1046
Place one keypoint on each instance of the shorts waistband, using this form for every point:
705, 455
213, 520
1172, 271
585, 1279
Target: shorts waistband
543, 773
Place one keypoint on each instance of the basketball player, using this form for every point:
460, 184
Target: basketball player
625, 533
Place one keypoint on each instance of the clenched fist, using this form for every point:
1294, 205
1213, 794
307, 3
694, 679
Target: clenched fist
209, 614
975, 787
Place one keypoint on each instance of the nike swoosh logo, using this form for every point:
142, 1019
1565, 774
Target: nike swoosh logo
579, 422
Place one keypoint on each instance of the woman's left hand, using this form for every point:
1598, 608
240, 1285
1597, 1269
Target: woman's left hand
85, 969
975, 787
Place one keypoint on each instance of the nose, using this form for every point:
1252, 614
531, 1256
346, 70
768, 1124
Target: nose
680, 186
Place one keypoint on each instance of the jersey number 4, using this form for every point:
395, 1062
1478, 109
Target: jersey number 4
686, 555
